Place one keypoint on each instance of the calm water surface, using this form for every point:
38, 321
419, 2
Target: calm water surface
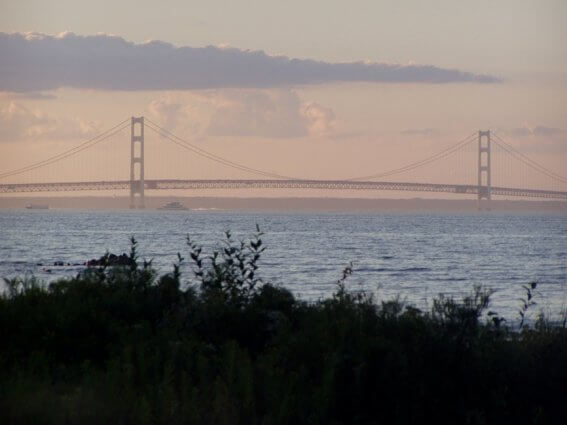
411, 255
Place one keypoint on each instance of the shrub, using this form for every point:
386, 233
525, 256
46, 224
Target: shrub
120, 344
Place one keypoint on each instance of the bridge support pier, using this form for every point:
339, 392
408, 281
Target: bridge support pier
137, 162
484, 183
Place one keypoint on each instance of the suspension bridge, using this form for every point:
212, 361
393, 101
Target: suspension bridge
484, 145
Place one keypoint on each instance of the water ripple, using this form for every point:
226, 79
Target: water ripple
411, 255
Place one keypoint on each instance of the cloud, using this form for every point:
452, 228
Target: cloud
536, 131
167, 111
539, 138
17, 122
36, 62
541, 130
267, 113
31, 95
258, 113
173, 112
321, 120
20, 123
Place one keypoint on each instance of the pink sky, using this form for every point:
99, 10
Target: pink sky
399, 95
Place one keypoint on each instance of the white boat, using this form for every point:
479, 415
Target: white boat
178, 206
37, 206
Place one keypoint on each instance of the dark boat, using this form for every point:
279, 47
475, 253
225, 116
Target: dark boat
177, 206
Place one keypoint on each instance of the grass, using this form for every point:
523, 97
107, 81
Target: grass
124, 345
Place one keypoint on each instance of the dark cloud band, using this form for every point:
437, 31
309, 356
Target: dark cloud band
35, 62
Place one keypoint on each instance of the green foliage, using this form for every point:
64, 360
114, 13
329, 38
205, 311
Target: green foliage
120, 344
19, 285
229, 273
527, 302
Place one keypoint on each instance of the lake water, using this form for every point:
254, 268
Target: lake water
414, 256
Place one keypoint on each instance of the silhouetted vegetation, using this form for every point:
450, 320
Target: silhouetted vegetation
120, 344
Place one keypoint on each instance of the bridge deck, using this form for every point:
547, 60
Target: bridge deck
278, 184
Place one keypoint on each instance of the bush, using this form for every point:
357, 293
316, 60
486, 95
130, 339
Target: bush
120, 344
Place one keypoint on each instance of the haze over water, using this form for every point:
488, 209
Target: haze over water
413, 256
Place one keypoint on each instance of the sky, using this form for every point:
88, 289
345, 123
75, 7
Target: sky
318, 89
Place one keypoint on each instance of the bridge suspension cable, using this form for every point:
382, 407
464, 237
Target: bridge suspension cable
170, 136
527, 160
439, 155
70, 152
211, 156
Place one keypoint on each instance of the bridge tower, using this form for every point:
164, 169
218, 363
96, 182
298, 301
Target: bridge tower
137, 162
484, 169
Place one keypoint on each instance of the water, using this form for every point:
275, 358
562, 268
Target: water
414, 256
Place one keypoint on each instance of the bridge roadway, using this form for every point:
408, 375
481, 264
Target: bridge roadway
278, 184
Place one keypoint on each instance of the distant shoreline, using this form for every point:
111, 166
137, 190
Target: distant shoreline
290, 204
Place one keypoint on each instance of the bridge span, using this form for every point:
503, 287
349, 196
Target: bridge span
170, 184
480, 171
